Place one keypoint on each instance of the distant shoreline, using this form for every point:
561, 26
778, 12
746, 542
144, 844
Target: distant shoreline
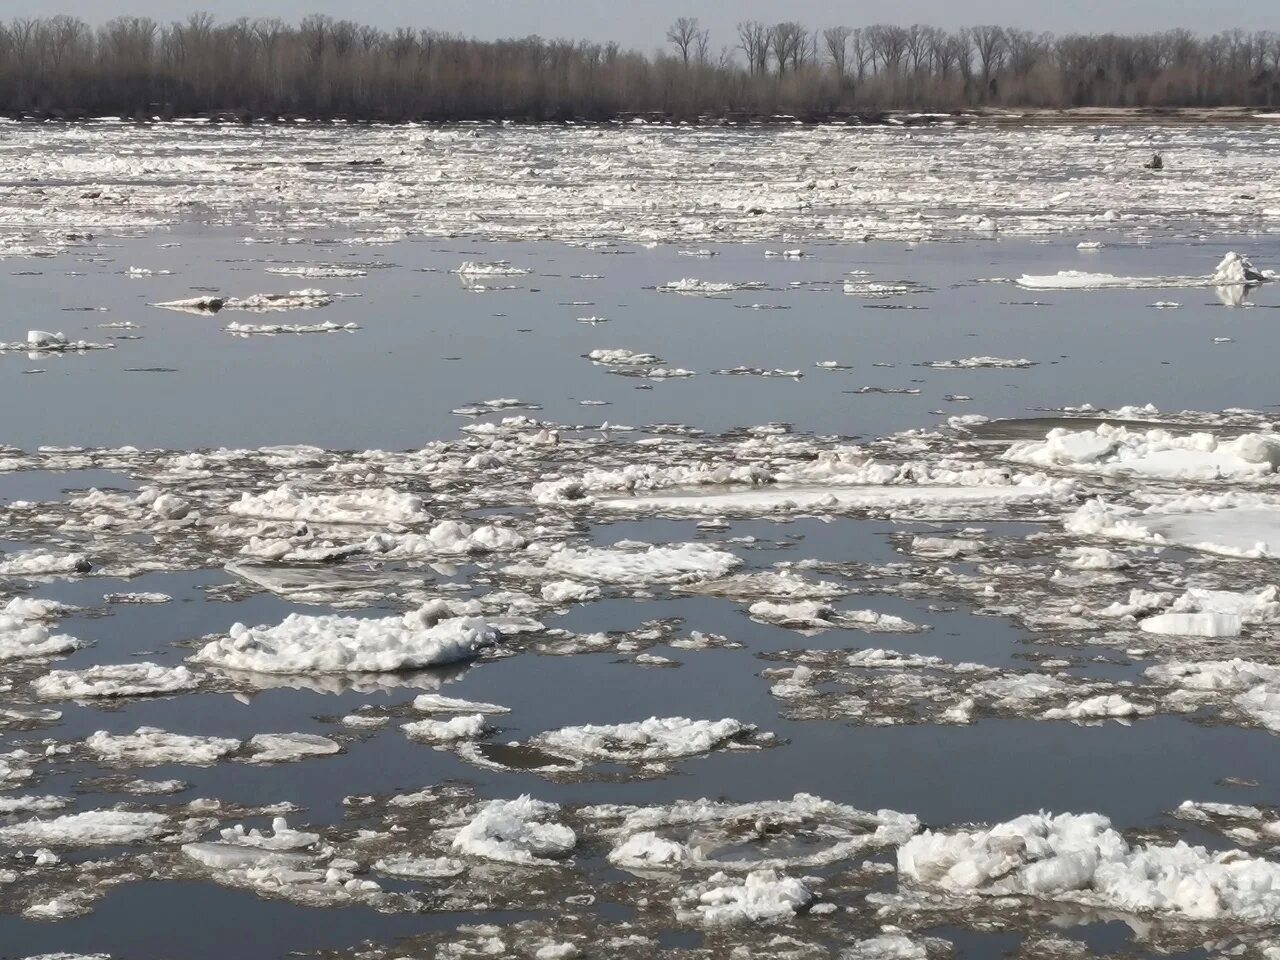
1081, 116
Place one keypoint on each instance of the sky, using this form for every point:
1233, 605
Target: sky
642, 24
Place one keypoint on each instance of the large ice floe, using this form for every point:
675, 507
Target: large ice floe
1082, 859
1233, 270
334, 644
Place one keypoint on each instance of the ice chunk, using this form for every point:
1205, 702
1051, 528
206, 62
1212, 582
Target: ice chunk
516, 831
762, 896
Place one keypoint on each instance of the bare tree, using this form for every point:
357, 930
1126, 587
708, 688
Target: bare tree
837, 43
683, 35
753, 40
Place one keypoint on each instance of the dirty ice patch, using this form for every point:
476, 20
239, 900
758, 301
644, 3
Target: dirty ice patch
302, 644
1231, 524
1081, 859
1115, 451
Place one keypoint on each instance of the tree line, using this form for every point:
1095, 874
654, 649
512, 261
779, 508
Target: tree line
324, 68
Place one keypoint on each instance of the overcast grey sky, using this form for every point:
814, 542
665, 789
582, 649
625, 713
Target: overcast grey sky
642, 23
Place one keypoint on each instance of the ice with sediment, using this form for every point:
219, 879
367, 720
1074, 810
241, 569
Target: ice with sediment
334, 644
811, 614
421, 868
1110, 450
1233, 270
274, 329
309, 299
375, 507
1231, 524
143, 679
150, 746
520, 831
803, 831
654, 740
622, 357
318, 271
91, 828
979, 363
920, 501
705, 288
1081, 858
491, 268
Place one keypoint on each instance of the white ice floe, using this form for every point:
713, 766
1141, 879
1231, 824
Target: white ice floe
23, 636
1105, 707
374, 507
1233, 270
465, 727
288, 747
92, 828
653, 564
335, 644
1229, 524
650, 741
520, 831
1116, 450
143, 679
569, 591
1082, 859
435, 703
42, 563
150, 746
